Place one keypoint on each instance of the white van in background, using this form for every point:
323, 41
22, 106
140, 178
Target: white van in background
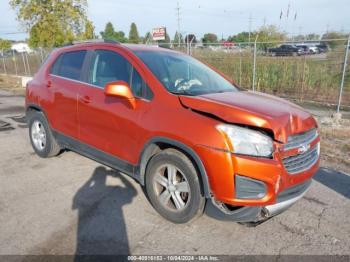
21, 48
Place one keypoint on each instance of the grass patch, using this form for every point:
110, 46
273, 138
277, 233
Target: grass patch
307, 77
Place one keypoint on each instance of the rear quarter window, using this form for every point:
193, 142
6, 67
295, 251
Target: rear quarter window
69, 65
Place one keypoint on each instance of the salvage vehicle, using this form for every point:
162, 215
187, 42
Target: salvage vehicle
183, 130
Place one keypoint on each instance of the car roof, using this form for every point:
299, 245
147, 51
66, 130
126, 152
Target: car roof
151, 48
131, 47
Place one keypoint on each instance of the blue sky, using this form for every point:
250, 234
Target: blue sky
224, 17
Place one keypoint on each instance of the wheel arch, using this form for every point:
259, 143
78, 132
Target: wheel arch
36, 108
33, 107
157, 144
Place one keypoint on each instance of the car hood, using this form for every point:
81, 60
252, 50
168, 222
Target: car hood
254, 109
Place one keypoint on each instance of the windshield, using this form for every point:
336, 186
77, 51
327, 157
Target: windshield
181, 74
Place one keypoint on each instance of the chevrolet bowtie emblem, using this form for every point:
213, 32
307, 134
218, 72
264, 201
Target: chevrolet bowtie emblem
303, 148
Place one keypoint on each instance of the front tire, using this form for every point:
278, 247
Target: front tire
41, 138
173, 186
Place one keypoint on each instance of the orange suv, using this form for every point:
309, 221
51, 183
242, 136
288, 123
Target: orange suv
181, 129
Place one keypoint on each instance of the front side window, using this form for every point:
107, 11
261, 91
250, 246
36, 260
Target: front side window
69, 65
108, 66
181, 74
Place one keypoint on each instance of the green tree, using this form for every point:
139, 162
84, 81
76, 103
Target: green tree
190, 38
51, 22
177, 39
134, 34
335, 36
311, 36
242, 37
270, 36
5, 44
89, 32
209, 38
110, 34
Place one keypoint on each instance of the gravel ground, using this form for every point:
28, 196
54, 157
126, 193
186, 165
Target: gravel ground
72, 205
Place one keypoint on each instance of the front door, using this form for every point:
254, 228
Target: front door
111, 124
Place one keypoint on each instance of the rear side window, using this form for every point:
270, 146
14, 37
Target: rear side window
56, 66
69, 65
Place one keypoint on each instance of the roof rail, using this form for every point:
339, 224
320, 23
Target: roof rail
96, 41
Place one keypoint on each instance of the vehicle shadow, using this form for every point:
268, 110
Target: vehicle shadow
101, 228
335, 180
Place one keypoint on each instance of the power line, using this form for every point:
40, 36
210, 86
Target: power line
12, 33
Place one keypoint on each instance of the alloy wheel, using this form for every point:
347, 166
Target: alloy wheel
38, 134
171, 187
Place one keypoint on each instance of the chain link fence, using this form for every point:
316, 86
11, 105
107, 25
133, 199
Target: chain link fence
22, 63
314, 73
307, 73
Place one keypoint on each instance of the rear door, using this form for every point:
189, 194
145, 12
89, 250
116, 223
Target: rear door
110, 124
65, 81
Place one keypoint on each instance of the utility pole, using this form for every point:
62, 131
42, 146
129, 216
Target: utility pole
300, 28
300, 33
343, 75
254, 62
178, 22
250, 25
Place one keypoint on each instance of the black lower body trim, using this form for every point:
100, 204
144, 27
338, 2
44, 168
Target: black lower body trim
96, 154
293, 191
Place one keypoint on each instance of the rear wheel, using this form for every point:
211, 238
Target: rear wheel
41, 138
173, 186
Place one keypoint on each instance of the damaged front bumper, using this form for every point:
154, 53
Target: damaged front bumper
260, 213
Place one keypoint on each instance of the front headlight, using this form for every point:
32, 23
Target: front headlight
246, 141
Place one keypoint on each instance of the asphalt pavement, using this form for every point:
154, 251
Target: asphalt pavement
72, 205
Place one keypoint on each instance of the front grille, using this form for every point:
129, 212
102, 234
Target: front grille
301, 162
295, 141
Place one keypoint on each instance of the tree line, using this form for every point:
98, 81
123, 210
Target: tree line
53, 23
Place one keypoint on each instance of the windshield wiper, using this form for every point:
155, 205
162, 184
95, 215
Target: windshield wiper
183, 92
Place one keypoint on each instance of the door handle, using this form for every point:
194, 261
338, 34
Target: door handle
85, 99
48, 83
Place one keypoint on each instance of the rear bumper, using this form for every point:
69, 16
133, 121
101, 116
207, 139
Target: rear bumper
260, 213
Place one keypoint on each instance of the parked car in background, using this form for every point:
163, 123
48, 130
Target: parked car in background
305, 48
322, 48
313, 49
286, 50
181, 129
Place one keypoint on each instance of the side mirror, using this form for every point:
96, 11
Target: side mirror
120, 89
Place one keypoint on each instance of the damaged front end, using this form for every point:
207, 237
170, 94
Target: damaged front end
256, 214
